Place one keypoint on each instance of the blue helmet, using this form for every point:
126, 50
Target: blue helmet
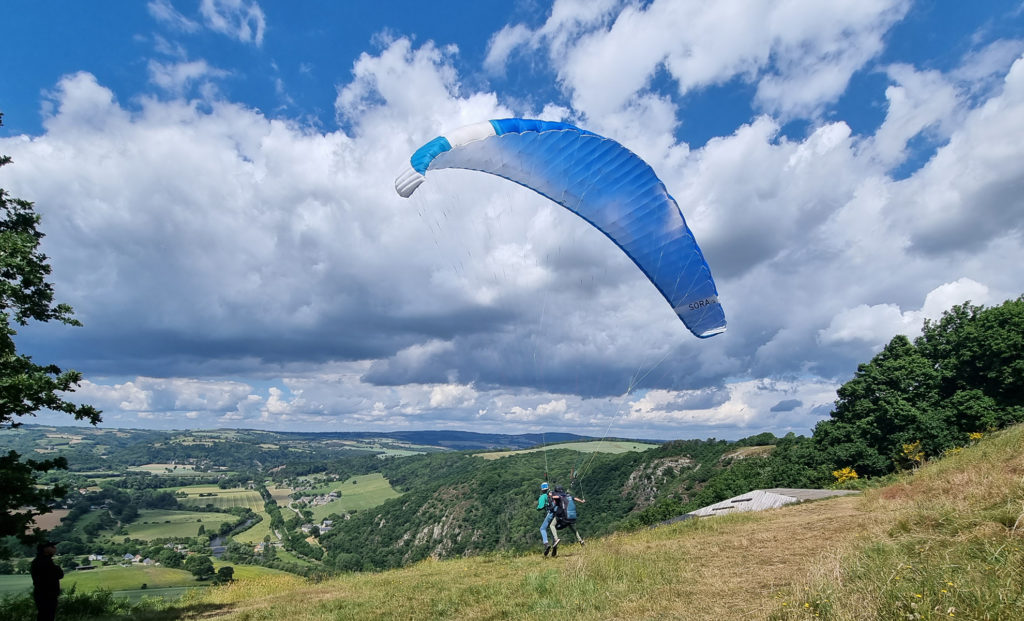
543, 486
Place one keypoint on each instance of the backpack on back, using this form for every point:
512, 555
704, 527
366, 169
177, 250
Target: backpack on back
565, 510
570, 509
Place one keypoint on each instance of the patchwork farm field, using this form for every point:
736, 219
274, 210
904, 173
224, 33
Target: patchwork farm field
158, 524
202, 495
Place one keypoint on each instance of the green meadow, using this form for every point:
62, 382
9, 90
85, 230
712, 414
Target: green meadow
288, 557
357, 493
257, 532
159, 523
14, 584
249, 572
117, 578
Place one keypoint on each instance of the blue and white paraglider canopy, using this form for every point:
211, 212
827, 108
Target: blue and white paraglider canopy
599, 180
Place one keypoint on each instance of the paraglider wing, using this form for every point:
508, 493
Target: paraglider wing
602, 182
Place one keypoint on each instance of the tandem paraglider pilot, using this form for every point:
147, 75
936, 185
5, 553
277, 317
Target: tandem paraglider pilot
46, 581
543, 504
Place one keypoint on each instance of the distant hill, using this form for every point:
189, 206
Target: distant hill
469, 440
451, 439
53, 437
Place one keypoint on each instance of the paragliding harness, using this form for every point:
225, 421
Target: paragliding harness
564, 508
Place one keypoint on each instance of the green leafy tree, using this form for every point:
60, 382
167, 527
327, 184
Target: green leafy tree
225, 574
977, 352
200, 566
169, 558
27, 387
880, 409
914, 401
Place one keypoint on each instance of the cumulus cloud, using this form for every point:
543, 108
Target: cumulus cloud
971, 191
800, 55
200, 240
918, 102
877, 324
450, 395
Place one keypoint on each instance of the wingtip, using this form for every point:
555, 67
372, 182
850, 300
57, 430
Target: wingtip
407, 182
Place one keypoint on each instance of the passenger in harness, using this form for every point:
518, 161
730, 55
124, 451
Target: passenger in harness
563, 510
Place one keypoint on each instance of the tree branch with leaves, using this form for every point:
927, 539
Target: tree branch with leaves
25, 386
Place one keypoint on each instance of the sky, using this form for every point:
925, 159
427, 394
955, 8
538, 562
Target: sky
216, 185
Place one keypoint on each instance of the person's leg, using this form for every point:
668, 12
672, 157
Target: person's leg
544, 529
46, 609
577, 533
554, 532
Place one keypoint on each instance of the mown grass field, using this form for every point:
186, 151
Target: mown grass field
257, 532
943, 542
281, 494
288, 557
157, 523
249, 572
181, 470
357, 493
221, 498
117, 578
128, 581
600, 446
14, 584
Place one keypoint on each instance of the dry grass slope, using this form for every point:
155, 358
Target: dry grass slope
945, 542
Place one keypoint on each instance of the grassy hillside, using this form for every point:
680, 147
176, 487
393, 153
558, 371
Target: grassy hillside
942, 542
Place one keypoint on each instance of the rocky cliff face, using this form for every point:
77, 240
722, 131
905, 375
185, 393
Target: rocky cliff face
646, 483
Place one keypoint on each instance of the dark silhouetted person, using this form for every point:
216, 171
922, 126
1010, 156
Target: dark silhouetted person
46, 581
